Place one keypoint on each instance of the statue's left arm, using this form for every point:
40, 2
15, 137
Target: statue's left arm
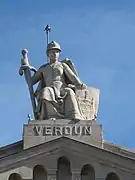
71, 75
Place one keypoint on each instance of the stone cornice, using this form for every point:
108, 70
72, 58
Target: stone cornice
11, 149
102, 157
24, 156
67, 145
11, 145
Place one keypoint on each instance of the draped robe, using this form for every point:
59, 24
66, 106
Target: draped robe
55, 93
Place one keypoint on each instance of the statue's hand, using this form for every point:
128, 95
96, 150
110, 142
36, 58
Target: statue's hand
71, 86
23, 67
84, 86
81, 86
25, 63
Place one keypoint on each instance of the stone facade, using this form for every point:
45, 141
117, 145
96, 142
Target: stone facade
65, 157
55, 148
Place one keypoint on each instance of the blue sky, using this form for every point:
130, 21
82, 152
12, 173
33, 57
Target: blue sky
99, 36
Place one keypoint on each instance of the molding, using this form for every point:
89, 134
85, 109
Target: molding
66, 145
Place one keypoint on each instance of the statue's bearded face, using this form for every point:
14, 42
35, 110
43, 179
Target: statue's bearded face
53, 55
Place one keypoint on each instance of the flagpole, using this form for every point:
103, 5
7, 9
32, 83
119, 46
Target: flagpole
47, 30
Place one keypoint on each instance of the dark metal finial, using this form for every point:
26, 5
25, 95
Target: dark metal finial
47, 28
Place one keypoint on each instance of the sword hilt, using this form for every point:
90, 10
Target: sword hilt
25, 63
24, 60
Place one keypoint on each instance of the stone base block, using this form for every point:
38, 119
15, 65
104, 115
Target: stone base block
41, 131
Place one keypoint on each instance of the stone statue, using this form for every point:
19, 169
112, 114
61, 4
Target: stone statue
58, 82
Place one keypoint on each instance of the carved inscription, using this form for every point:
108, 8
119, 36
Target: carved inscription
62, 130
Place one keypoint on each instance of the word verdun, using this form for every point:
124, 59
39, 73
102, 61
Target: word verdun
62, 130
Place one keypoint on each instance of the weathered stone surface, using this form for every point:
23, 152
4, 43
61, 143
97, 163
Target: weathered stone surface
78, 154
37, 132
88, 100
60, 92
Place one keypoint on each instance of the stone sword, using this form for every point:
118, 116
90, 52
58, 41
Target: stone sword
26, 70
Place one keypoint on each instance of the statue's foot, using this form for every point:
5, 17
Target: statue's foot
78, 117
56, 116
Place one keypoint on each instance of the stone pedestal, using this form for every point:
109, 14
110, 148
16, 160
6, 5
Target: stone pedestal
40, 131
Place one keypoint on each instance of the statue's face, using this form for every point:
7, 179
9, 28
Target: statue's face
53, 55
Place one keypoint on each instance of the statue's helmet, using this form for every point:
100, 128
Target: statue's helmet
53, 45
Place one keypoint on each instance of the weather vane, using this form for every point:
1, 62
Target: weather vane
47, 30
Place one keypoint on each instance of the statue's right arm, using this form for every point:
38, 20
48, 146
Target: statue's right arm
36, 77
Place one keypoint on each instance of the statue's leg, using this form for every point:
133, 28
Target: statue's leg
71, 105
52, 110
49, 107
48, 110
43, 114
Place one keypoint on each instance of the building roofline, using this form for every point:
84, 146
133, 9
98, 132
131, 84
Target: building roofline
11, 145
107, 146
11, 149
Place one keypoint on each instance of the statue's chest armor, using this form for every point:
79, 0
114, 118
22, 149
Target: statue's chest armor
53, 73
57, 70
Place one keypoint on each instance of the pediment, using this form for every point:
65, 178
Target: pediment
64, 146
18, 158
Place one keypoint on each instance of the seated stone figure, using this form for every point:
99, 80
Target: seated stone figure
55, 93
